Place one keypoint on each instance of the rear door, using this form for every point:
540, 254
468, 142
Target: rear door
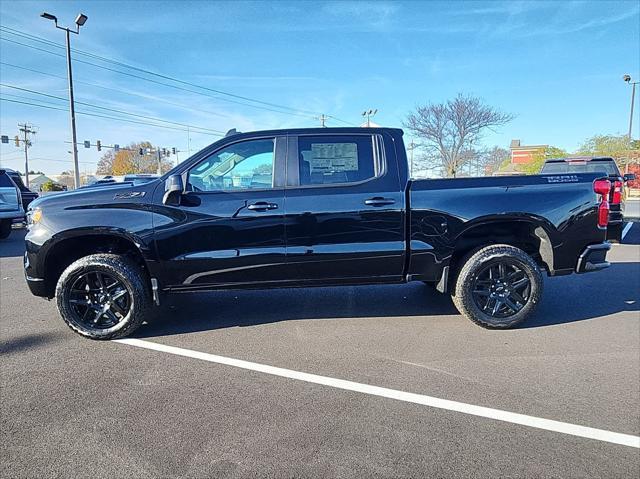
345, 209
229, 226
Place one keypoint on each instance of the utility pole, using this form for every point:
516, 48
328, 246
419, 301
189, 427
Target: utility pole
412, 146
26, 130
81, 19
322, 119
159, 151
627, 78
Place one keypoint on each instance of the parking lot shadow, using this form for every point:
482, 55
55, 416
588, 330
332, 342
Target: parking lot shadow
191, 312
580, 297
13, 245
566, 299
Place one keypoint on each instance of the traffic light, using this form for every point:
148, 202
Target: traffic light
87, 144
5, 139
17, 140
99, 145
173, 150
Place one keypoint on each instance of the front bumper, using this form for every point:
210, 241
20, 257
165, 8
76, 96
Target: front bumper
37, 286
593, 258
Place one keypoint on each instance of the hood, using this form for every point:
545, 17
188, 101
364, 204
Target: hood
95, 195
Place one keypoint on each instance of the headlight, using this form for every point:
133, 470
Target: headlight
34, 216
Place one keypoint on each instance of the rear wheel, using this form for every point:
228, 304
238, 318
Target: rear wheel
5, 228
103, 296
499, 286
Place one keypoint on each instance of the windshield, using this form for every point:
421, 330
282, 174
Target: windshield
608, 167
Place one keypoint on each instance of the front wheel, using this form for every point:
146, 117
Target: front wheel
103, 296
499, 286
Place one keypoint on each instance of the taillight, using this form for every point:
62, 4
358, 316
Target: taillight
616, 199
603, 187
603, 214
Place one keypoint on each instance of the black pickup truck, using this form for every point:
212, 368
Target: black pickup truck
311, 207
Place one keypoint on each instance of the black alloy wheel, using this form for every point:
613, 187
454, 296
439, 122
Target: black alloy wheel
104, 296
501, 289
99, 300
498, 286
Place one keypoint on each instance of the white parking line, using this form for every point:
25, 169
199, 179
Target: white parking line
626, 229
497, 414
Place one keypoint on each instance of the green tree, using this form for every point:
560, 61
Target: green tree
615, 146
548, 153
51, 186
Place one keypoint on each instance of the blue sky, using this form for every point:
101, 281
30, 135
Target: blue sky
557, 66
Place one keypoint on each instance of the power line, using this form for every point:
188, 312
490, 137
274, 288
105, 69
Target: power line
149, 72
47, 159
117, 90
112, 109
294, 111
99, 116
158, 82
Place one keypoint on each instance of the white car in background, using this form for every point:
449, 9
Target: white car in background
10, 204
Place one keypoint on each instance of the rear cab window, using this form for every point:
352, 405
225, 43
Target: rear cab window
576, 166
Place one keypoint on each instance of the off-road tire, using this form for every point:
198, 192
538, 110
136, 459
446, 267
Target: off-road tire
478, 261
132, 277
5, 228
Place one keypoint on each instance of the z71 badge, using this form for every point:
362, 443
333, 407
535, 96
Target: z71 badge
129, 194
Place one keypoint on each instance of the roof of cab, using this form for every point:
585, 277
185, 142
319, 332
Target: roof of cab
313, 131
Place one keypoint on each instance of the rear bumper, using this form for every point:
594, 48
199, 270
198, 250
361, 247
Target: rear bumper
593, 258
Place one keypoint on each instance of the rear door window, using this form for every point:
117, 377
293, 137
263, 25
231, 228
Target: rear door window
339, 159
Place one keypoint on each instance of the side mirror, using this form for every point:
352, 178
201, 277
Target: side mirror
173, 189
629, 177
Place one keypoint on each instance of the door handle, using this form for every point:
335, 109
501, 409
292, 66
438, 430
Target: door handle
262, 206
379, 201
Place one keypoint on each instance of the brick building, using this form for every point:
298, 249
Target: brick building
521, 154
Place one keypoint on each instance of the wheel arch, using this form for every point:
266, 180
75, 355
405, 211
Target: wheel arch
534, 235
63, 250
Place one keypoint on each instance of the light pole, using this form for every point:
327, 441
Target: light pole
81, 19
633, 84
368, 114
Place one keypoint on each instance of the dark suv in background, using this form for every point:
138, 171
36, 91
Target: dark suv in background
27, 195
606, 165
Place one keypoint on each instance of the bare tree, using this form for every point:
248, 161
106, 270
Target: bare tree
450, 130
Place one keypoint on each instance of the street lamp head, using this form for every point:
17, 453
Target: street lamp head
81, 19
627, 78
48, 16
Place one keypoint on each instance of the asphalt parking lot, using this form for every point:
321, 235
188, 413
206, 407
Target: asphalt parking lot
71, 407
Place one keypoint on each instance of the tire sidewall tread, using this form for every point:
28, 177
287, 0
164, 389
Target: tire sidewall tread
473, 263
126, 271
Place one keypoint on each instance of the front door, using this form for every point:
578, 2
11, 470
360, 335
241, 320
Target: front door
229, 226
